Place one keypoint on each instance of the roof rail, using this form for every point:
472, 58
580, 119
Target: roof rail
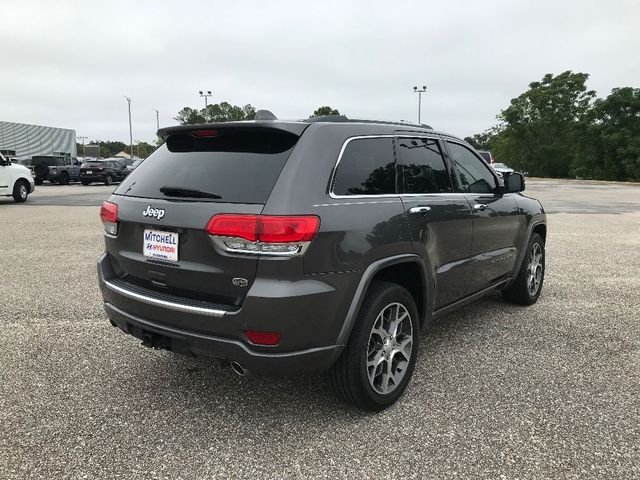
327, 118
343, 118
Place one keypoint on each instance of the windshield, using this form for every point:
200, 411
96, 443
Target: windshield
236, 165
499, 165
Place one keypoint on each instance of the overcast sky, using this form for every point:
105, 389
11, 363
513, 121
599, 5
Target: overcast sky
68, 63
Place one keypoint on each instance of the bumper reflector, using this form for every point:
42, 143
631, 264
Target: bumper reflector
263, 338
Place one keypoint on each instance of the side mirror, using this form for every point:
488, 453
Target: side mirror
513, 182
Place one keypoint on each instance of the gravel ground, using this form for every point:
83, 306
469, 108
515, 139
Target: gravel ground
548, 391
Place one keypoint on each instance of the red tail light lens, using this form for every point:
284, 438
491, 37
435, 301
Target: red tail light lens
263, 338
109, 212
287, 229
265, 228
240, 226
109, 217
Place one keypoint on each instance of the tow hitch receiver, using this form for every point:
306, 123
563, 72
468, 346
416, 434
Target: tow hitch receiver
151, 339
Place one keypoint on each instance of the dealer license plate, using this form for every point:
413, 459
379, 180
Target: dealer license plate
160, 245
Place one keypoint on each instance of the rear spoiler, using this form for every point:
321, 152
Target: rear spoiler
295, 128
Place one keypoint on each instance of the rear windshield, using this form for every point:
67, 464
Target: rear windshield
236, 165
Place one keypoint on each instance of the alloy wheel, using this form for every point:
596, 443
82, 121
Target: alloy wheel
535, 269
390, 346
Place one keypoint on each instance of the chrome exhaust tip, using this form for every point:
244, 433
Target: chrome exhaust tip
239, 369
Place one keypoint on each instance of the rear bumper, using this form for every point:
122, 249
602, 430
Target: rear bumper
199, 344
92, 178
308, 314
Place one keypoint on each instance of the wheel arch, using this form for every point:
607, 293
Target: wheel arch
537, 225
400, 269
21, 179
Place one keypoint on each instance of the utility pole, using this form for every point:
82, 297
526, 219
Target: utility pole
157, 119
138, 147
206, 94
130, 129
83, 139
420, 92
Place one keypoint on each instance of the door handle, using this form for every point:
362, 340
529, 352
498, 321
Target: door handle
480, 206
420, 210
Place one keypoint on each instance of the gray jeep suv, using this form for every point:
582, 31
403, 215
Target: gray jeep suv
322, 245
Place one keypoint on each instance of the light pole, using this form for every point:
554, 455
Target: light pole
206, 94
157, 119
83, 139
420, 92
138, 148
130, 129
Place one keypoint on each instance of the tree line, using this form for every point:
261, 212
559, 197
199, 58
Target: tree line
225, 112
560, 128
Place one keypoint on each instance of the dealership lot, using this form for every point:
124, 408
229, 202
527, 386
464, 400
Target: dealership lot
549, 391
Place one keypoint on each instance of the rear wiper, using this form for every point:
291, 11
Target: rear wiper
187, 192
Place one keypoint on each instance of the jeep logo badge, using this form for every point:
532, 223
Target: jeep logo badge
157, 213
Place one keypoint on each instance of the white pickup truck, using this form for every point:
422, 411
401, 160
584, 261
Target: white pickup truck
15, 180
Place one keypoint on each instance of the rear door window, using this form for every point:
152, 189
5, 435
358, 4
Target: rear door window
422, 166
238, 165
367, 167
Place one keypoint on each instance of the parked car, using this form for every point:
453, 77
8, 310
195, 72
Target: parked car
137, 163
106, 171
318, 245
15, 180
501, 168
56, 169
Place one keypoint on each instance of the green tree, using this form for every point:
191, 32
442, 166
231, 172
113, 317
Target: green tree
540, 127
481, 141
216, 113
189, 116
322, 111
608, 146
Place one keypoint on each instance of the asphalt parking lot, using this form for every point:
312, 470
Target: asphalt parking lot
500, 391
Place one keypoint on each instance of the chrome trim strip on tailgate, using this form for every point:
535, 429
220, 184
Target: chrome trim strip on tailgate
163, 303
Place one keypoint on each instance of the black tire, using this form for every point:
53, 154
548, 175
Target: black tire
85, 182
108, 180
38, 181
63, 179
21, 191
520, 291
349, 377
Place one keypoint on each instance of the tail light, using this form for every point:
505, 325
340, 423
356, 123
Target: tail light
263, 234
109, 217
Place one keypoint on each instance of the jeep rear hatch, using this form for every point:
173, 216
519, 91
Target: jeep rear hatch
200, 172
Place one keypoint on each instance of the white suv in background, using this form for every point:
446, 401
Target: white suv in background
15, 180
